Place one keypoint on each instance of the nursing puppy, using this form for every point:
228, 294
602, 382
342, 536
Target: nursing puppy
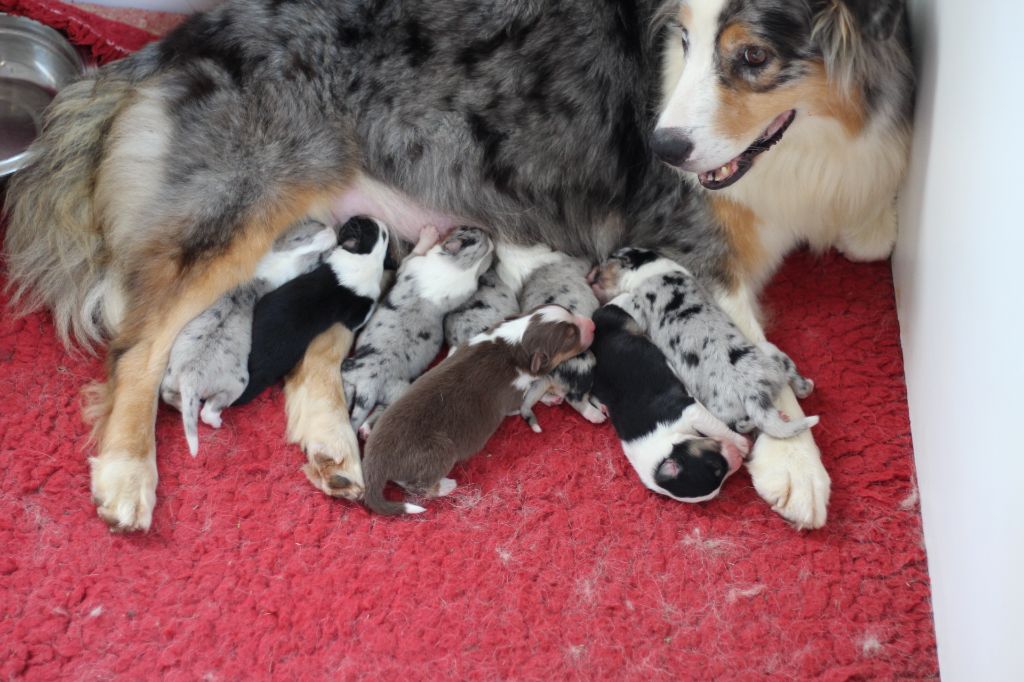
563, 281
208, 362
406, 331
493, 302
343, 289
676, 446
452, 410
735, 379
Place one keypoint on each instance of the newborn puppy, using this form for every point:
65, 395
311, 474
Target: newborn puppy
406, 331
493, 302
736, 380
563, 281
676, 446
451, 411
343, 289
208, 359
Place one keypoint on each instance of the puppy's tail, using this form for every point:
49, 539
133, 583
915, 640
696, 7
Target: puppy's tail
771, 421
53, 246
190, 417
374, 499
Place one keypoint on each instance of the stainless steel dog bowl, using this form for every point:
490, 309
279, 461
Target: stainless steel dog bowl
35, 62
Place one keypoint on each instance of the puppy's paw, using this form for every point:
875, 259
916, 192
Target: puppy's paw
592, 413
789, 475
444, 487
211, 416
429, 236
124, 489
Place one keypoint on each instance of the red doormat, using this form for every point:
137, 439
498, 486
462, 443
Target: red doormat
550, 561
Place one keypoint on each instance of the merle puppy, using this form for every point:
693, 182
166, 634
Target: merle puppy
493, 301
208, 362
343, 289
677, 447
563, 281
449, 413
406, 331
735, 379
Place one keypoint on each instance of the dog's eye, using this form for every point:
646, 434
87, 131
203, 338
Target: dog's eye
755, 56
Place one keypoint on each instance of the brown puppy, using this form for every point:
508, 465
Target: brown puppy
449, 413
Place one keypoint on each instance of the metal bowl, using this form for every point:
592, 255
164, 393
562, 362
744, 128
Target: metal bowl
35, 62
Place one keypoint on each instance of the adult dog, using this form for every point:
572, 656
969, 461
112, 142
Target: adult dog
160, 180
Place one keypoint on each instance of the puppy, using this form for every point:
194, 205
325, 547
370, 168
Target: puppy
493, 302
736, 380
452, 410
208, 361
676, 446
406, 331
343, 289
563, 281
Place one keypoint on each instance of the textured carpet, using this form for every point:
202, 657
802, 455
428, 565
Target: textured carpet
550, 561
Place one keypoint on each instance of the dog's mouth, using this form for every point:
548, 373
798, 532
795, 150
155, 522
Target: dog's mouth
730, 172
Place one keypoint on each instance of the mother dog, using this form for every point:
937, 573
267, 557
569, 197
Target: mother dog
160, 180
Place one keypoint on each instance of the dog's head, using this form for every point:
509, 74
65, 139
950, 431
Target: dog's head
544, 337
358, 261
467, 248
740, 74
625, 270
695, 469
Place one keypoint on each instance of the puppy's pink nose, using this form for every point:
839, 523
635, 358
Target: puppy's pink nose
592, 276
587, 328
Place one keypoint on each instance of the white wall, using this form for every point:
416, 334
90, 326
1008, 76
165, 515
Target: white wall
959, 271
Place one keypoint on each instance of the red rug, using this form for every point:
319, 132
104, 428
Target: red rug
551, 561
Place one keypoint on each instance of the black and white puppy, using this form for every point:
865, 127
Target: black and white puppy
343, 289
676, 446
734, 378
208, 364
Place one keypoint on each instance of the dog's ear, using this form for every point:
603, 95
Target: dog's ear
843, 30
538, 361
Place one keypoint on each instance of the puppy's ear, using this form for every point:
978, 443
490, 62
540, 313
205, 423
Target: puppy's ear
538, 361
452, 246
842, 29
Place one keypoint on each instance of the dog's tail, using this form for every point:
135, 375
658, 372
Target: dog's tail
771, 421
190, 417
53, 246
373, 495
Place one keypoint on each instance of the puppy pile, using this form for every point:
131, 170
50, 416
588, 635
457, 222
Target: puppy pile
676, 377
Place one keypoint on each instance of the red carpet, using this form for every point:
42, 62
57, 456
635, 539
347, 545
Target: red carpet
550, 562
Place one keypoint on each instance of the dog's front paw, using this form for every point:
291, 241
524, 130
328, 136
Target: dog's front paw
334, 467
124, 489
789, 475
591, 412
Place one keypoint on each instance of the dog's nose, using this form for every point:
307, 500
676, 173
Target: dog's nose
672, 146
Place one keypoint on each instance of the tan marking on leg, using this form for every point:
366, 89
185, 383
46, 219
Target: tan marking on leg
318, 416
164, 299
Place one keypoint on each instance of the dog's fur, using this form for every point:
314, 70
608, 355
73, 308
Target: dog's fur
209, 359
493, 302
674, 444
735, 379
342, 290
450, 412
406, 332
161, 179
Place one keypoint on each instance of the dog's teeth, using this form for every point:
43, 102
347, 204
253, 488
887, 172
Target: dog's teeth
724, 172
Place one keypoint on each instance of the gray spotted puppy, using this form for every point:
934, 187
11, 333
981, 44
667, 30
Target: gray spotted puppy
208, 361
562, 280
735, 379
493, 302
406, 331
